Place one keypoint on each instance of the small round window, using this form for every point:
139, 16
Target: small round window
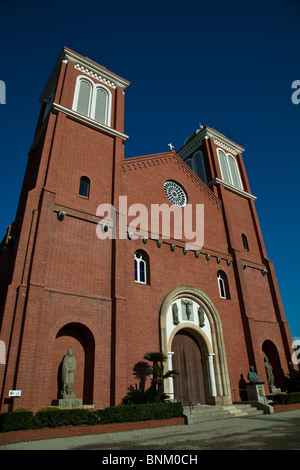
175, 193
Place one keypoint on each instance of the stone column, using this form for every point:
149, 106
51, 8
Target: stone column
210, 359
171, 384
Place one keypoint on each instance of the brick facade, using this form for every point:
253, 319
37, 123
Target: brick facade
62, 287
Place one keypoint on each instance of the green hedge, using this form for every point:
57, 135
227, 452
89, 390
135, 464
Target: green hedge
285, 399
57, 417
16, 421
143, 412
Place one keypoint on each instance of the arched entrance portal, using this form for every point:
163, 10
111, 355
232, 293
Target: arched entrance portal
189, 385
192, 339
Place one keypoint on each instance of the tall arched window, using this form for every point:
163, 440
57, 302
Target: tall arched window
235, 177
93, 101
200, 167
223, 166
223, 285
229, 169
196, 163
84, 187
101, 104
140, 267
245, 242
84, 97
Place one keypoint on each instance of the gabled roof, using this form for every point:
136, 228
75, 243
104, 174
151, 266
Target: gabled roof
144, 162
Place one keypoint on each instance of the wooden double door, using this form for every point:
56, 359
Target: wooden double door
189, 385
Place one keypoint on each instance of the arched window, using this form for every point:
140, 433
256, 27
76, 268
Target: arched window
223, 285
245, 242
140, 267
189, 163
229, 169
93, 101
196, 163
101, 105
223, 165
199, 165
84, 97
235, 176
84, 187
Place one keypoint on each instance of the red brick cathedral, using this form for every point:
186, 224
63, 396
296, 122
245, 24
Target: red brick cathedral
110, 289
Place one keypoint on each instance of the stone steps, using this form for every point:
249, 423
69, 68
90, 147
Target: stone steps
202, 413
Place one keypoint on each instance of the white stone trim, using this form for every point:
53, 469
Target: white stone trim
210, 361
218, 139
232, 188
227, 156
83, 64
97, 76
214, 341
90, 122
92, 106
88, 67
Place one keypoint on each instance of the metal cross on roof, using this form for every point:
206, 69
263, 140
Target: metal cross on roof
171, 146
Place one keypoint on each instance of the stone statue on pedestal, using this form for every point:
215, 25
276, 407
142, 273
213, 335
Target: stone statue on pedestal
270, 377
68, 375
252, 376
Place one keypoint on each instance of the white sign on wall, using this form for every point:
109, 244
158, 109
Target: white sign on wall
14, 393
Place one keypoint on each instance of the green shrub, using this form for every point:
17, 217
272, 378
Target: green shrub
293, 381
141, 412
293, 397
56, 417
15, 421
285, 398
137, 397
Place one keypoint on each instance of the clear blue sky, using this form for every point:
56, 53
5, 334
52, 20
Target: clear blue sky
227, 64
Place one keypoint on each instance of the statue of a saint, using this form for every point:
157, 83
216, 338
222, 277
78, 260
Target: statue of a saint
252, 376
201, 317
68, 374
270, 375
175, 314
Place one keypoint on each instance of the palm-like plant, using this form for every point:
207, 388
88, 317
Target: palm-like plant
157, 370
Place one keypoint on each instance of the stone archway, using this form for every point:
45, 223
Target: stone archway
190, 309
78, 337
271, 353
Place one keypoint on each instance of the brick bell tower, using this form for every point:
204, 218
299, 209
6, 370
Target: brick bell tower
57, 291
218, 161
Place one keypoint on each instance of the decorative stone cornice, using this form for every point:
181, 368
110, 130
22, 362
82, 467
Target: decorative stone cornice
218, 139
225, 146
87, 66
93, 69
97, 76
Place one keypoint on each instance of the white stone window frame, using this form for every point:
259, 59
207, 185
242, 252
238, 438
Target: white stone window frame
140, 260
222, 286
227, 156
92, 100
194, 165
